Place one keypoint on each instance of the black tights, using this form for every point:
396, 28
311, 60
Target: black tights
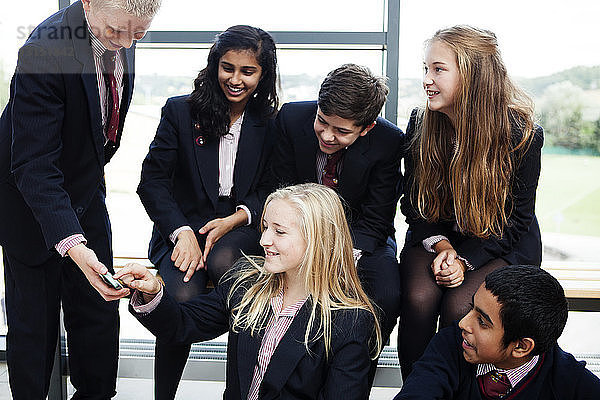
170, 359
423, 301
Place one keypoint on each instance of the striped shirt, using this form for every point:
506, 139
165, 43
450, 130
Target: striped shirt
321, 161
98, 50
514, 375
228, 146
278, 325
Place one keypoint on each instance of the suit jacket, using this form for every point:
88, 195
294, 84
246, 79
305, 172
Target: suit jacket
180, 174
443, 373
370, 178
293, 372
521, 242
52, 151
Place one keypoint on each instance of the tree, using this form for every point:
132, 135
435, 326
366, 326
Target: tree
561, 115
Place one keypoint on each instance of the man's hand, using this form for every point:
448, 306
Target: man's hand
87, 261
218, 227
138, 277
187, 255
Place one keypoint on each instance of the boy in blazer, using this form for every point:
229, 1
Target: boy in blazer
505, 347
341, 142
68, 100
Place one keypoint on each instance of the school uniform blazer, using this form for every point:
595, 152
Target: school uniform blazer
180, 175
370, 178
443, 373
52, 146
521, 242
293, 372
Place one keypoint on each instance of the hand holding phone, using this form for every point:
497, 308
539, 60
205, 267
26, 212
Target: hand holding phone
110, 281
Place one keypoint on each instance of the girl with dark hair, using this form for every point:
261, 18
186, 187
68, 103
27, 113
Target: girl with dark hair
204, 179
472, 168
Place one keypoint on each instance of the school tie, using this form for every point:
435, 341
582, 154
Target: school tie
112, 109
494, 384
330, 178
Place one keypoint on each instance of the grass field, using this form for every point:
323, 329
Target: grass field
568, 197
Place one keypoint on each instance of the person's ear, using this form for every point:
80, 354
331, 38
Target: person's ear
368, 128
523, 347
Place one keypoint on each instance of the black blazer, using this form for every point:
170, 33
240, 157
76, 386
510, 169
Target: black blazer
52, 151
293, 373
180, 175
521, 242
370, 178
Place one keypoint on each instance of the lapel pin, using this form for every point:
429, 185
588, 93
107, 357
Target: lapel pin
200, 140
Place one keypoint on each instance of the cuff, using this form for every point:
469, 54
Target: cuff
69, 242
431, 241
467, 263
357, 253
173, 236
243, 207
137, 302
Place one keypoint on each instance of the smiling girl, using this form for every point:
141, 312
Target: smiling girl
203, 182
300, 325
472, 169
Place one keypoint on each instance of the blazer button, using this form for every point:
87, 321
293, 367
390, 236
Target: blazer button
79, 210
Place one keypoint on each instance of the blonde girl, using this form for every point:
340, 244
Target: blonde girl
299, 323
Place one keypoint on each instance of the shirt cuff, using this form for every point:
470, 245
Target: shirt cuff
138, 305
176, 232
467, 263
243, 207
68, 243
357, 253
431, 241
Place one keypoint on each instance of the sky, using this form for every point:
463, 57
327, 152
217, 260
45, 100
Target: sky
536, 37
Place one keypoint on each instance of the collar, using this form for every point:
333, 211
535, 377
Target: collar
97, 45
289, 311
514, 375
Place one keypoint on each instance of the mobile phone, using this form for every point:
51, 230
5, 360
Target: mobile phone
110, 281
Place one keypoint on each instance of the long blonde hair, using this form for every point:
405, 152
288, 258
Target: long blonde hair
465, 171
328, 269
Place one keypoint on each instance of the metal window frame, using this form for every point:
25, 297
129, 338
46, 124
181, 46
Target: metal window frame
387, 41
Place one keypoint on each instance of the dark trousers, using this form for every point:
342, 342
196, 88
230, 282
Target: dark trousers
33, 298
170, 360
380, 277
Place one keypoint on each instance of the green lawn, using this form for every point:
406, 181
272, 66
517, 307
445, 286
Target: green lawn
568, 198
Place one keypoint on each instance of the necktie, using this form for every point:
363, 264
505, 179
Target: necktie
330, 171
494, 384
112, 109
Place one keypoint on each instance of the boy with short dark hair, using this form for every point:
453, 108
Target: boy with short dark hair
340, 141
505, 347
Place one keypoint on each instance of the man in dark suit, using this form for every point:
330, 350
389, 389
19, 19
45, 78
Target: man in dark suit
340, 142
68, 100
